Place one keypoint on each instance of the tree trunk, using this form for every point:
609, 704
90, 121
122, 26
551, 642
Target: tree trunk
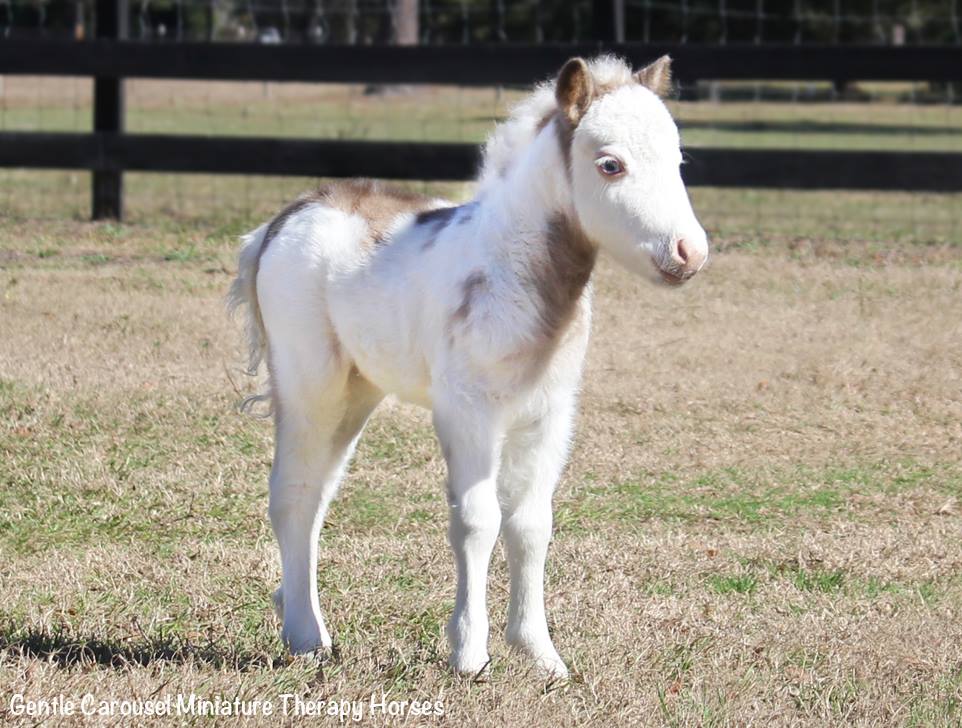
406, 22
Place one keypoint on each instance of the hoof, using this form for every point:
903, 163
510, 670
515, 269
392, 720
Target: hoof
552, 668
311, 647
310, 639
317, 656
468, 665
546, 659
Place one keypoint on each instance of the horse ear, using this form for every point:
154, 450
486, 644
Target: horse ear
574, 90
656, 76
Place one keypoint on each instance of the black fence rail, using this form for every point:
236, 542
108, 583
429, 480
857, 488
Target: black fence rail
109, 154
108, 151
475, 65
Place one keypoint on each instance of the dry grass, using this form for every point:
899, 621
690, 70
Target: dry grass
759, 525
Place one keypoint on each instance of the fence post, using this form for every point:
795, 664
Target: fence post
108, 184
608, 19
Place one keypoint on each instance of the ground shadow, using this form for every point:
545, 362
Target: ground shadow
65, 649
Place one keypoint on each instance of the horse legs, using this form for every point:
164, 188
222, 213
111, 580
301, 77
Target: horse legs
470, 441
532, 459
316, 436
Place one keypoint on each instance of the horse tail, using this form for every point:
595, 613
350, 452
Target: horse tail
243, 293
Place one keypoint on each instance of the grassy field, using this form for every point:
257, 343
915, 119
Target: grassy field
445, 113
760, 523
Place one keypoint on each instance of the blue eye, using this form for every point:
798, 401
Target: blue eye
610, 166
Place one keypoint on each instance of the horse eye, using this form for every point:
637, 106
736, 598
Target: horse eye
610, 167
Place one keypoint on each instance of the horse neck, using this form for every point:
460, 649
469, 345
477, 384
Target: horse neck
535, 189
535, 234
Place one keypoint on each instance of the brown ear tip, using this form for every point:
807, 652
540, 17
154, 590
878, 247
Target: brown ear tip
572, 64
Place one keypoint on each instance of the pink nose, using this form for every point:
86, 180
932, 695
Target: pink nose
688, 256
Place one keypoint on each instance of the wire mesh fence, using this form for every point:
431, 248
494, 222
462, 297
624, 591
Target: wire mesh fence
908, 116
471, 21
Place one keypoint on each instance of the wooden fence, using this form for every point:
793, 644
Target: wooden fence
108, 151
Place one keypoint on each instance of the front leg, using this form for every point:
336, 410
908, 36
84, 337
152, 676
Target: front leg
470, 439
533, 457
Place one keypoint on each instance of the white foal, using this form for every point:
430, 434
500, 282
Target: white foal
480, 312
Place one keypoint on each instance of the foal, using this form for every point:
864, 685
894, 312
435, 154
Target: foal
479, 312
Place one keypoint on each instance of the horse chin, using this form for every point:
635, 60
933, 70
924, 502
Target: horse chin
669, 278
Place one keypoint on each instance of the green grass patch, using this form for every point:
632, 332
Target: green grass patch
816, 580
752, 498
733, 584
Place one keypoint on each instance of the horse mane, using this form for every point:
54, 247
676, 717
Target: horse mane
528, 116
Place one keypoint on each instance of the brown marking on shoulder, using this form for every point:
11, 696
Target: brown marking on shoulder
562, 276
469, 289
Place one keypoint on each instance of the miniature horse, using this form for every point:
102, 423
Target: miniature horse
480, 312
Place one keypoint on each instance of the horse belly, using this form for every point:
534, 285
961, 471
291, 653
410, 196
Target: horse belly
380, 338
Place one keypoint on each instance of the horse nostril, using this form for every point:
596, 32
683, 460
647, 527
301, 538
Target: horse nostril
682, 248
689, 255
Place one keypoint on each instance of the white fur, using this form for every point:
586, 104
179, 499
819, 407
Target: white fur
346, 323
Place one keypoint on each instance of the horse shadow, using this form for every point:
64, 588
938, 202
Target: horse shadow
65, 649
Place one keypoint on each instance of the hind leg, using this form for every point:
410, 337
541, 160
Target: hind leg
317, 431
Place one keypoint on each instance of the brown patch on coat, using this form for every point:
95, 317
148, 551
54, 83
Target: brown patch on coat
436, 219
283, 216
469, 289
560, 279
566, 136
564, 131
544, 121
440, 217
378, 204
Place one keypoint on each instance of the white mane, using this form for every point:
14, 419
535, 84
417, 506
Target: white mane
527, 117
